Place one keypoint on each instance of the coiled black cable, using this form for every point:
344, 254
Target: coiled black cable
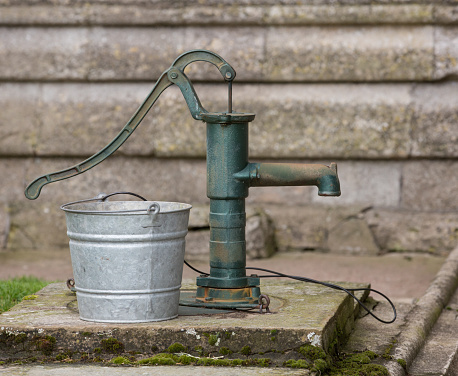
327, 284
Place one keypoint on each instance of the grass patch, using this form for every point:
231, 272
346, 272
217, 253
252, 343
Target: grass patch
12, 291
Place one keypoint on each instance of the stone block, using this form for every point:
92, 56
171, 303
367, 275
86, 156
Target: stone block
56, 53
413, 231
434, 126
260, 235
307, 227
446, 51
325, 316
375, 183
429, 185
36, 225
197, 245
199, 217
180, 13
117, 54
352, 237
327, 121
349, 54
13, 178
5, 225
446, 14
20, 124
292, 121
80, 119
162, 180
259, 54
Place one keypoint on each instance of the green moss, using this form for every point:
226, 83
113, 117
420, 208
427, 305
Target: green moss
160, 360
215, 362
97, 350
225, 351
228, 335
186, 360
273, 332
20, 338
263, 362
300, 363
386, 354
84, 357
312, 352
30, 297
361, 370
120, 360
86, 334
402, 362
320, 365
246, 350
212, 339
45, 344
358, 365
112, 346
64, 355
176, 348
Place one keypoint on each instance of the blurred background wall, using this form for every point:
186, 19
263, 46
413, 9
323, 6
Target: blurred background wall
371, 85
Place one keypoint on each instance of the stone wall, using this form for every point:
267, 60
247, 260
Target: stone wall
371, 85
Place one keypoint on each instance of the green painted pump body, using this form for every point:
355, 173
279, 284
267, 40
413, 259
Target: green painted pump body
227, 154
229, 177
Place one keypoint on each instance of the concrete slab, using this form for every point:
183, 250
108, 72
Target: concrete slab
441, 347
48, 325
79, 370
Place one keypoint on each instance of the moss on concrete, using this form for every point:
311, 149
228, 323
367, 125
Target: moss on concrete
359, 364
176, 348
45, 344
120, 360
403, 363
212, 339
112, 346
225, 351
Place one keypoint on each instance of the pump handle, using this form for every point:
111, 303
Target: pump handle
173, 75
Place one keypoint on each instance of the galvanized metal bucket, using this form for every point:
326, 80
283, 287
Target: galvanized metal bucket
127, 258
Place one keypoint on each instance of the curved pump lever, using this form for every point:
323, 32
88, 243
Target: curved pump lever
173, 75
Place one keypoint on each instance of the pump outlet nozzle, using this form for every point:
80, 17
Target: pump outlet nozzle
292, 174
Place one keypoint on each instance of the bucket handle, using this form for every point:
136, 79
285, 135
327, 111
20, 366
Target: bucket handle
121, 193
152, 210
102, 197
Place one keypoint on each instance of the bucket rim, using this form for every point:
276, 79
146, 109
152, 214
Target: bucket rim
184, 207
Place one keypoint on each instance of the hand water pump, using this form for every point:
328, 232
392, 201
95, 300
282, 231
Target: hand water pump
229, 176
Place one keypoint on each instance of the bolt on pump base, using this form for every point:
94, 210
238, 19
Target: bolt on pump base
229, 177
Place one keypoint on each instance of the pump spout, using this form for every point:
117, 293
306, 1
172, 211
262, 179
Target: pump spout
292, 174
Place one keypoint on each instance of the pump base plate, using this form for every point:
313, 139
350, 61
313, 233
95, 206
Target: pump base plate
244, 298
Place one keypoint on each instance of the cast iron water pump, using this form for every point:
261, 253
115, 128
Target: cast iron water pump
229, 176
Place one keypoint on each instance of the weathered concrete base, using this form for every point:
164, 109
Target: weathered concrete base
48, 326
421, 320
441, 347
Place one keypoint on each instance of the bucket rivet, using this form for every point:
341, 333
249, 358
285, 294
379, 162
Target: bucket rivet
173, 75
